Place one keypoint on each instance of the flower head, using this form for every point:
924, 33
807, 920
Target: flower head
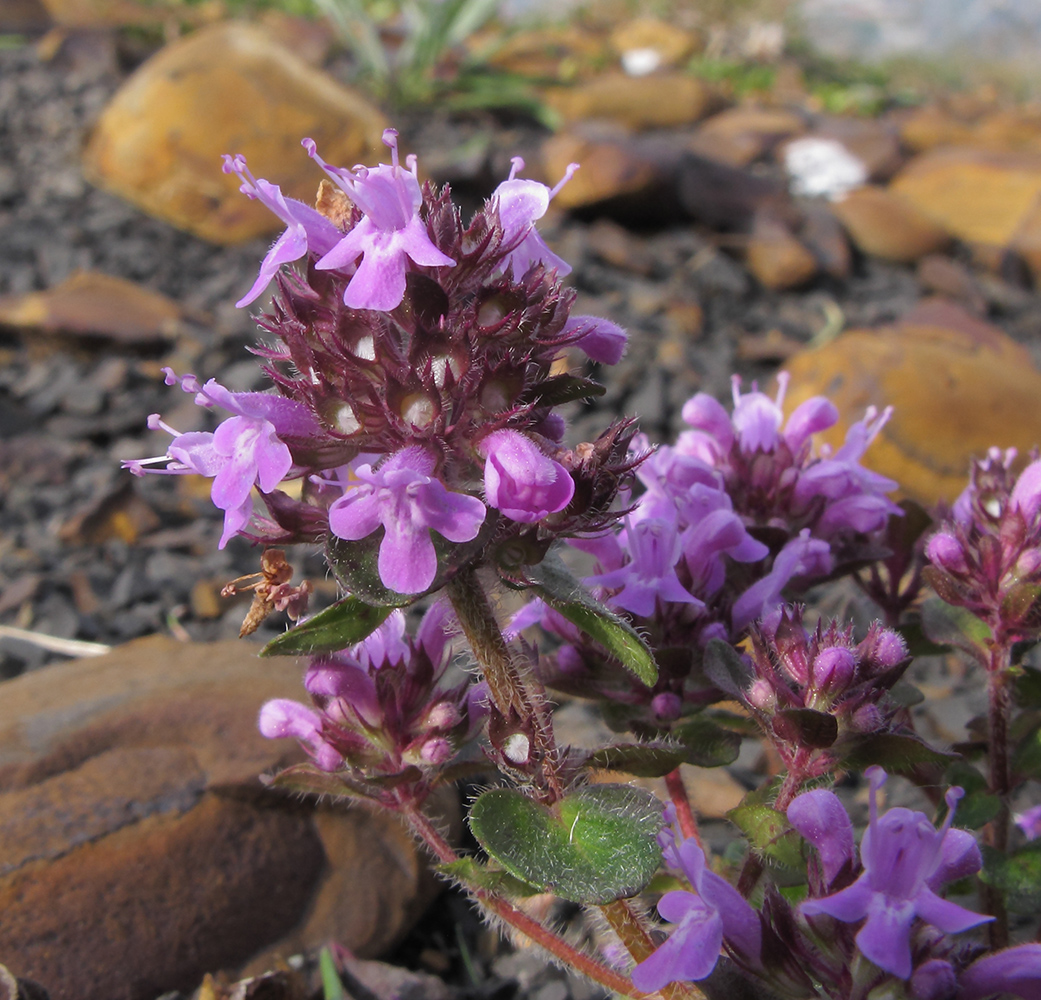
905, 858
389, 235
520, 480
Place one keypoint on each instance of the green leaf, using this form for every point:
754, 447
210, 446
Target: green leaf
600, 846
308, 779
332, 988
1028, 688
770, 833
338, 626
896, 752
726, 668
948, 625
644, 760
707, 744
563, 389
806, 727
552, 581
906, 694
471, 872
1026, 760
1018, 876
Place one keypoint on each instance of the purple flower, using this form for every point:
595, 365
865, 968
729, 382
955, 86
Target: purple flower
1029, 822
820, 818
714, 914
402, 495
390, 233
650, 574
757, 418
904, 857
244, 451
520, 480
1015, 970
600, 339
282, 717
307, 231
521, 204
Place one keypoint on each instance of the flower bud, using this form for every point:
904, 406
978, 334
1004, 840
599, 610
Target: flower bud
444, 715
833, 670
945, 551
761, 695
666, 706
934, 979
436, 751
881, 649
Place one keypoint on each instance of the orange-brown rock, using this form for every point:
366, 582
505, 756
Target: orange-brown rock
776, 258
124, 13
98, 305
610, 168
563, 53
669, 42
931, 126
1026, 242
882, 223
228, 88
662, 100
138, 849
977, 196
742, 134
958, 387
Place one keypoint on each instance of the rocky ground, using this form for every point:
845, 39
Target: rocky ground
90, 555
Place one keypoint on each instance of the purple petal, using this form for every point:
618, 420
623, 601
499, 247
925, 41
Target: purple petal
821, 819
355, 515
290, 246
885, 938
520, 480
691, 951
281, 718
848, 905
1014, 970
809, 418
407, 560
705, 413
235, 519
457, 516
600, 339
379, 282
1026, 494
415, 241
947, 916
196, 452
959, 857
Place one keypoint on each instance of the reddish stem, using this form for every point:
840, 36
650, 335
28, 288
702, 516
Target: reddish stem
684, 813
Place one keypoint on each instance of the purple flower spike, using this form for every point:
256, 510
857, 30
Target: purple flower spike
520, 480
390, 234
821, 819
901, 851
307, 231
521, 204
706, 918
600, 339
1014, 970
403, 497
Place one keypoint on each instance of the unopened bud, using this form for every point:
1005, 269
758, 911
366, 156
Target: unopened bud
436, 751
761, 695
443, 715
666, 706
945, 551
833, 669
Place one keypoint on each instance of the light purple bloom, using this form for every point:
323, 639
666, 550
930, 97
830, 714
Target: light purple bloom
520, 480
1026, 494
757, 418
801, 556
390, 233
521, 204
818, 815
1015, 970
600, 339
650, 574
245, 450
902, 854
1030, 822
307, 231
281, 718
706, 918
403, 496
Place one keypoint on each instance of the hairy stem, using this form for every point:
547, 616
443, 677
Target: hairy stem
539, 934
508, 686
684, 813
996, 832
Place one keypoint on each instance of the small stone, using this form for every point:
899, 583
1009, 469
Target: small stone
616, 245
228, 88
958, 386
938, 273
882, 223
933, 126
669, 43
660, 101
740, 135
609, 169
96, 305
554, 53
976, 196
726, 197
776, 258
825, 237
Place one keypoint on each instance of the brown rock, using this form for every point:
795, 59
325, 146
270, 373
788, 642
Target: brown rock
938, 273
124, 13
27, 17
228, 88
825, 237
132, 780
553, 53
1026, 242
871, 140
610, 169
669, 42
931, 126
976, 196
882, 223
776, 257
617, 246
958, 387
740, 135
98, 305
659, 101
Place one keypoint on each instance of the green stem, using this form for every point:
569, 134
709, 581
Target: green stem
997, 831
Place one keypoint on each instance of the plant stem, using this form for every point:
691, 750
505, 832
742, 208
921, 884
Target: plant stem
996, 832
753, 866
509, 688
631, 932
541, 935
684, 813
